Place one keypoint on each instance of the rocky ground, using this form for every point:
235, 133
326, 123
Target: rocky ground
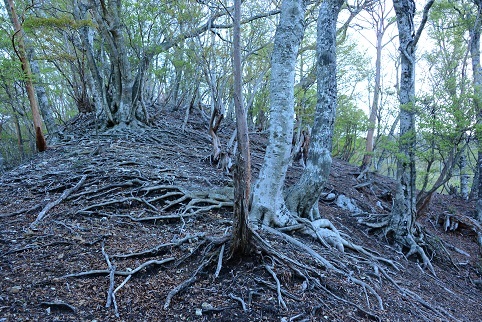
135, 227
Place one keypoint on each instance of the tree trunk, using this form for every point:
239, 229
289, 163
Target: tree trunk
464, 177
94, 79
45, 108
424, 197
268, 204
403, 215
37, 121
302, 198
404, 207
474, 44
242, 172
122, 103
381, 28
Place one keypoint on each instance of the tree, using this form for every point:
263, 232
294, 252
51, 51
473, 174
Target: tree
381, 23
22, 54
445, 111
242, 172
401, 222
302, 198
268, 204
350, 122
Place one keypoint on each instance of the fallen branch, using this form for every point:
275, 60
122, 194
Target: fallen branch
157, 249
52, 204
184, 284
120, 273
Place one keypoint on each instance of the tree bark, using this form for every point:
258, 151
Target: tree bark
302, 198
403, 215
95, 80
44, 106
242, 173
122, 103
37, 120
268, 204
464, 177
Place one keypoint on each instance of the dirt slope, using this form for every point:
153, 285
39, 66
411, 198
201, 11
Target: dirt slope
148, 210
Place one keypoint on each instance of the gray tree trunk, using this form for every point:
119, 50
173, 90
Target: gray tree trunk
403, 215
464, 177
94, 79
122, 103
267, 202
474, 45
404, 208
302, 198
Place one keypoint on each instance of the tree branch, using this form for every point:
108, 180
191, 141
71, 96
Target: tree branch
422, 23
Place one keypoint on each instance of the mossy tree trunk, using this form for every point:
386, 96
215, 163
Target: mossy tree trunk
401, 224
302, 198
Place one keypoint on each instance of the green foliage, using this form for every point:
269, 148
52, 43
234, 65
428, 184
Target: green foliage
446, 112
62, 22
350, 126
353, 69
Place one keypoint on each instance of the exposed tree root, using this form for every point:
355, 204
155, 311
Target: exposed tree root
437, 311
240, 300
328, 235
382, 223
284, 255
138, 196
160, 198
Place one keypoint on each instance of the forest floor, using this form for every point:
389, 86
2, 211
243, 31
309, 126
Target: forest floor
134, 227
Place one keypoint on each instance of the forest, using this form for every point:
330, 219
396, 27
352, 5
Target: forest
240, 160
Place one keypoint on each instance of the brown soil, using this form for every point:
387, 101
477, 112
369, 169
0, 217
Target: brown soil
131, 177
